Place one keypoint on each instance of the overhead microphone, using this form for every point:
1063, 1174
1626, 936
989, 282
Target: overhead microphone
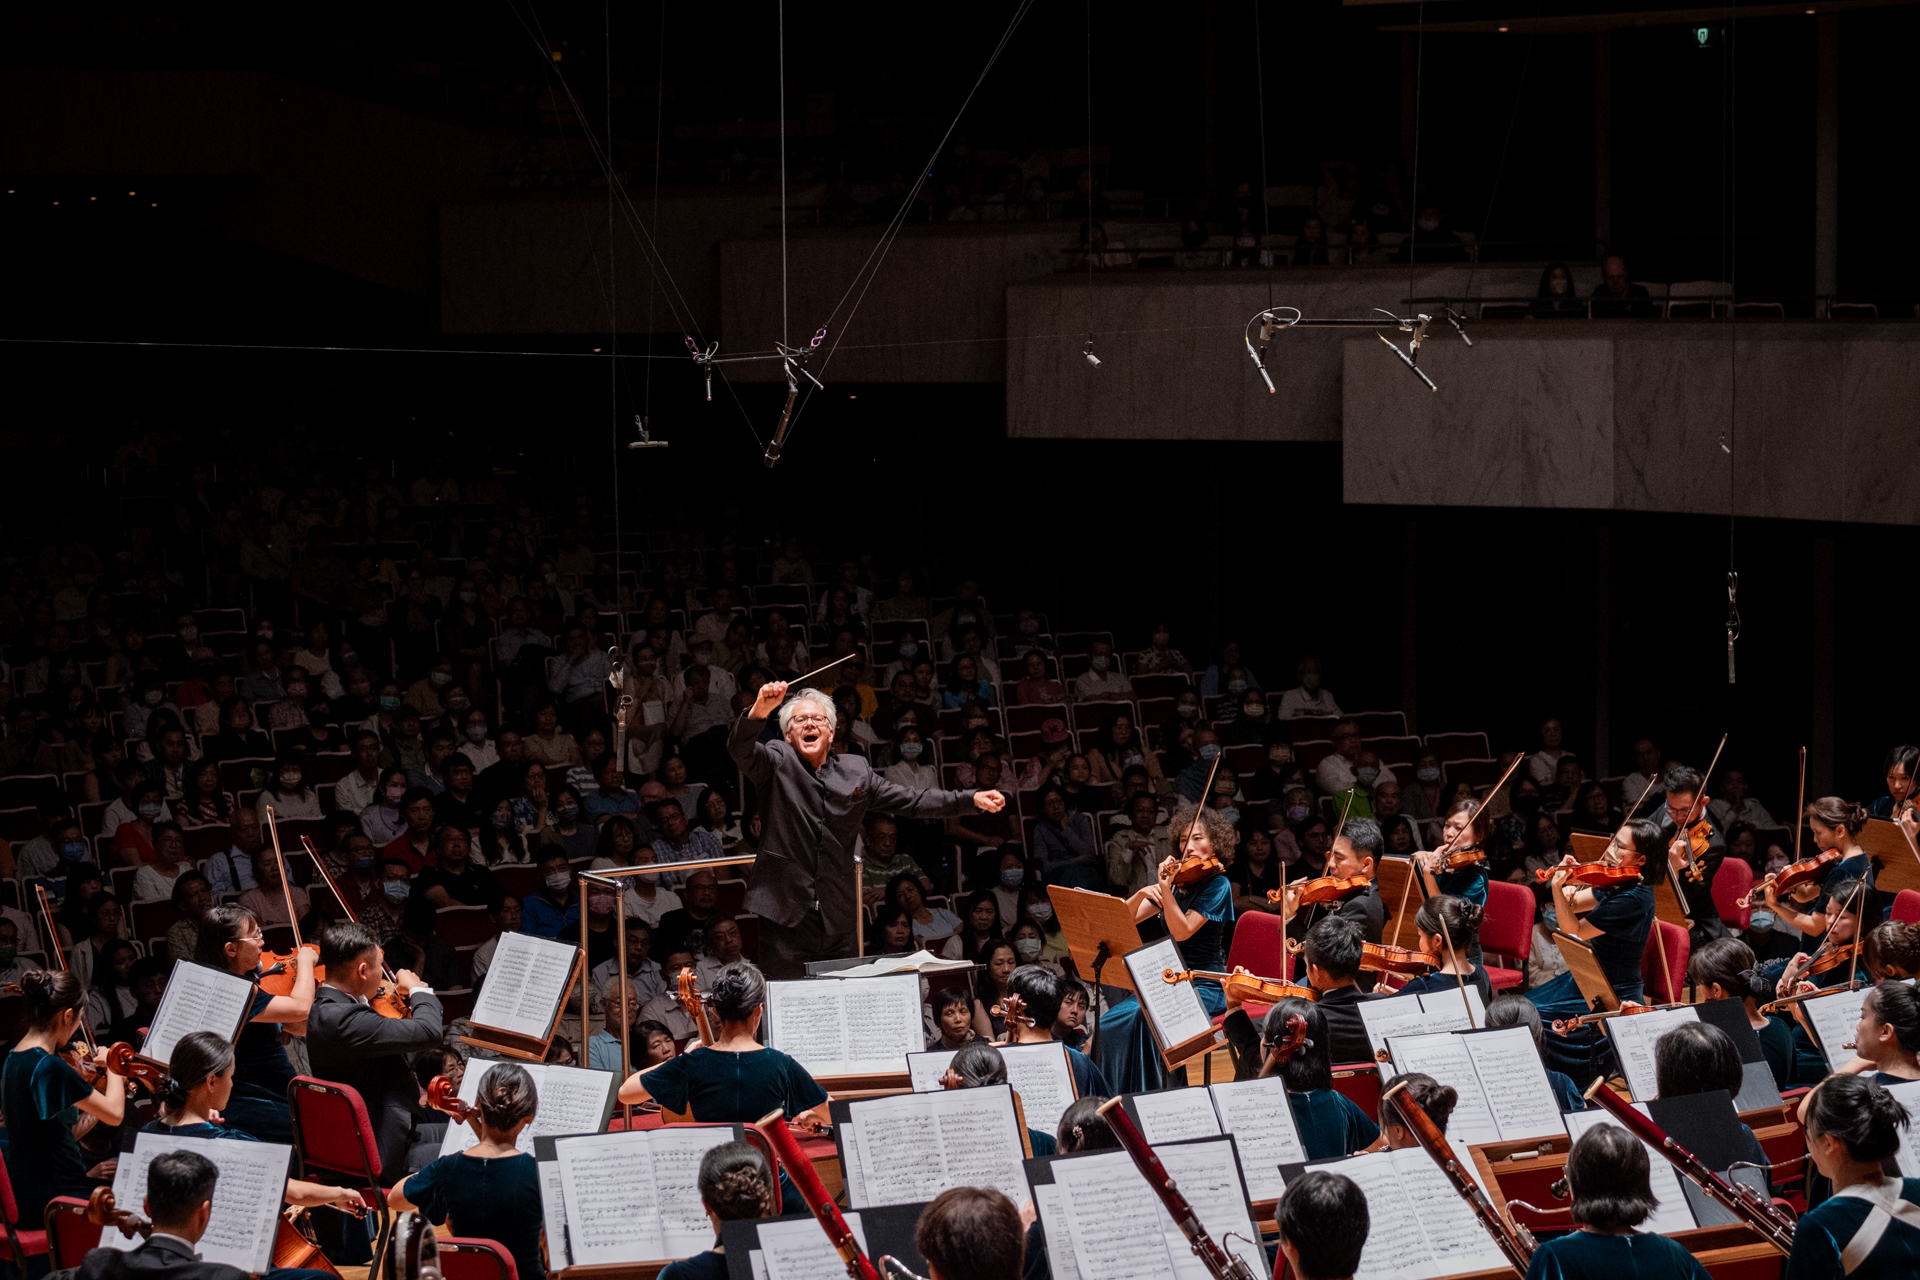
646, 440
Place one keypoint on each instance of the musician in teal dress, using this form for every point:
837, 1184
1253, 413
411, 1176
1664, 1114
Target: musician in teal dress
1331, 1125
1196, 917
1468, 879
43, 1098
1870, 1228
1608, 1172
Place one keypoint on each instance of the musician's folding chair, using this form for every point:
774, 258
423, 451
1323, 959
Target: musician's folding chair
471, 1258
70, 1237
21, 1245
333, 1134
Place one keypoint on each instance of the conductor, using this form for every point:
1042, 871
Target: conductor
803, 879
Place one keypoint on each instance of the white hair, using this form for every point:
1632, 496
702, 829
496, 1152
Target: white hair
809, 695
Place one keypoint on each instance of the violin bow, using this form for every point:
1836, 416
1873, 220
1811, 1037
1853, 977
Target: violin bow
333, 887
53, 944
1859, 936
1453, 957
1698, 808
1206, 794
1800, 811
1472, 818
286, 884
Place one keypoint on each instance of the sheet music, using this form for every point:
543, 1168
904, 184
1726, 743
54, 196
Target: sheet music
1515, 1083
1114, 1219
800, 1250
1907, 1094
860, 1026
1633, 1039
1399, 1016
1448, 1002
246, 1199
1039, 1073
1211, 1183
553, 1206
1670, 1212
1258, 1115
1174, 1012
1835, 1018
524, 985
975, 1142
1174, 1115
196, 999
634, 1197
1397, 1247
1047, 1200
1454, 1235
572, 1101
1444, 1056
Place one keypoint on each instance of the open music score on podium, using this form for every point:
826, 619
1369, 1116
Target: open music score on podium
1038, 1073
852, 1035
520, 1002
572, 1100
908, 1148
197, 998
1255, 1112
246, 1199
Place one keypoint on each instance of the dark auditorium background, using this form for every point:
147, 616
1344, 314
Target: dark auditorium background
1466, 617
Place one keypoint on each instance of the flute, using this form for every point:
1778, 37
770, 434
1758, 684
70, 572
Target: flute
773, 1128
1742, 1201
1514, 1241
1220, 1264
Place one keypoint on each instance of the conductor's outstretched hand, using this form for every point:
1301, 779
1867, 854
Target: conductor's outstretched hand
989, 801
771, 695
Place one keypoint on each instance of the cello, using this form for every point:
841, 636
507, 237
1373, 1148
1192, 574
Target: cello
694, 1001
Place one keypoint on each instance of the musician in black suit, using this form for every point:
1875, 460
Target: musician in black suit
803, 883
180, 1203
351, 1044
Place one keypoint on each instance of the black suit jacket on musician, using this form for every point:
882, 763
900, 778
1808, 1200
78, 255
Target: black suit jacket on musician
1700, 906
812, 816
350, 1044
161, 1258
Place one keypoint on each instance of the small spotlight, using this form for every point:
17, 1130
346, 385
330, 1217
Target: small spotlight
1503, 28
133, 193
93, 197
1092, 359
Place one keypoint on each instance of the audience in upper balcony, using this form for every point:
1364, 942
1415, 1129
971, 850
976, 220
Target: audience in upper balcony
1617, 296
1557, 299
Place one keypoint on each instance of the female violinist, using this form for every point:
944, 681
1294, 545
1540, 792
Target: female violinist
736, 1078
1853, 1134
1833, 823
1330, 1124
230, 941
491, 1188
1725, 969
1440, 920
1196, 916
44, 1098
1830, 965
1612, 919
1436, 1099
1464, 873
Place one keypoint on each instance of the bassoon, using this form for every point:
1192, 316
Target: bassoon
1515, 1241
773, 1128
1220, 1264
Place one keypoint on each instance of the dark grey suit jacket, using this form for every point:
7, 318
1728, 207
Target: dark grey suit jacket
161, 1258
350, 1044
812, 817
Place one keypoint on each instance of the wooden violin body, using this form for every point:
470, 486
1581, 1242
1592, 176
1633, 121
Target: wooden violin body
1325, 889
1013, 1010
277, 969
1699, 838
1196, 867
1592, 875
441, 1097
1244, 988
1793, 876
122, 1061
1471, 855
103, 1212
1378, 958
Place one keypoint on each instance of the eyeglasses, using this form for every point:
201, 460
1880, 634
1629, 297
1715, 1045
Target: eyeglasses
808, 720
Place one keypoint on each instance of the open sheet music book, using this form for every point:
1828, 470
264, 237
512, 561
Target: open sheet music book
1907, 1093
908, 1148
1633, 1039
797, 1249
1419, 1013
197, 999
1174, 1012
1418, 1227
525, 984
847, 1027
246, 1199
1038, 1073
1255, 1112
1672, 1211
1833, 1020
635, 1197
1504, 1094
1118, 1228
922, 961
572, 1100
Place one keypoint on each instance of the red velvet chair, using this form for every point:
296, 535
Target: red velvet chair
1665, 987
469, 1258
70, 1237
1260, 945
20, 1245
1731, 884
1507, 930
1906, 906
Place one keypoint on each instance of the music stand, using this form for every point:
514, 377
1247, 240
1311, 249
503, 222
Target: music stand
1398, 881
1587, 974
1896, 862
1588, 847
1098, 927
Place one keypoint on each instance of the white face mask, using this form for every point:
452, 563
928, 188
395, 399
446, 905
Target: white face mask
1099, 661
911, 750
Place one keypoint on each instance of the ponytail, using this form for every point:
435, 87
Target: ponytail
1859, 1112
506, 1096
196, 1059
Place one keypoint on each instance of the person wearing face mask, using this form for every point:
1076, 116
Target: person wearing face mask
1308, 698
475, 746
556, 908
1251, 725
287, 793
1270, 781
1102, 681
383, 820
133, 839
1192, 780
1214, 681
1160, 657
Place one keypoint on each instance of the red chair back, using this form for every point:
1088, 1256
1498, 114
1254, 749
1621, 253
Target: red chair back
1260, 943
1360, 1082
1507, 930
70, 1237
331, 1128
1906, 906
1664, 985
1731, 884
472, 1258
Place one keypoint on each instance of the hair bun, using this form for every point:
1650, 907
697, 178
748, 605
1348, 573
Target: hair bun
1473, 914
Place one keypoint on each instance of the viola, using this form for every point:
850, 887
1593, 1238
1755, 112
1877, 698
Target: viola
441, 1097
1313, 893
1377, 957
1196, 867
695, 1003
277, 969
1593, 875
1244, 988
122, 1061
1292, 1040
389, 1001
1013, 1010
103, 1212
1793, 876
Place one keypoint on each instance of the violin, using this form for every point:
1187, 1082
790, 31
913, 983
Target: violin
1244, 988
1377, 957
441, 1097
1013, 1010
695, 1003
1292, 1040
122, 1061
1561, 1026
277, 969
1699, 841
1593, 875
103, 1212
1195, 867
1313, 893
389, 1001
1793, 876
1469, 855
